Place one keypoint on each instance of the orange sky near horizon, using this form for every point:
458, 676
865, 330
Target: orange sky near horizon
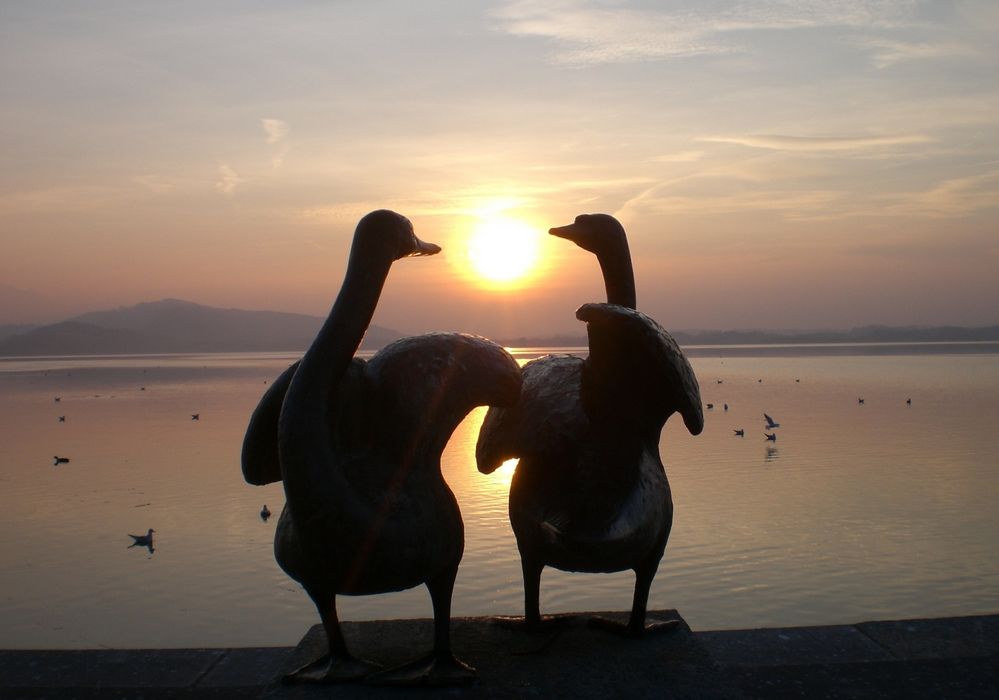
798, 166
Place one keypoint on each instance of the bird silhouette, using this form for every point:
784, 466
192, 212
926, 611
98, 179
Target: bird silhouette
772, 437
60, 460
195, 416
739, 431
265, 513
590, 492
357, 446
145, 540
62, 419
770, 422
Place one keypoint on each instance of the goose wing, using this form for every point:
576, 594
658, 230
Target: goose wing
260, 443
544, 424
417, 390
636, 372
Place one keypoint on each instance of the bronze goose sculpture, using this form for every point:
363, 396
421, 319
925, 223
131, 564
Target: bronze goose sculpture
590, 492
358, 444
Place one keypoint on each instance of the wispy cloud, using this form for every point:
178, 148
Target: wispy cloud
227, 180
276, 130
591, 31
155, 184
889, 52
277, 135
681, 157
817, 143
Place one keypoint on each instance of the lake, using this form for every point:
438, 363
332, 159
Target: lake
859, 511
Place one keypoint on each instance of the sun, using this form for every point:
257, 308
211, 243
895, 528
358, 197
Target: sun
502, 252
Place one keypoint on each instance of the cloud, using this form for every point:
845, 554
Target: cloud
276, 130
680, 157
888, 52
592, 32
816, 143
155, 184
228, 179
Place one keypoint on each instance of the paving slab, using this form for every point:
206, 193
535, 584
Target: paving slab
117, 668
936, 679
941, 638
789, 646
244, 668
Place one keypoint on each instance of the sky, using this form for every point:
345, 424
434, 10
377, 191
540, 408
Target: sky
777, 164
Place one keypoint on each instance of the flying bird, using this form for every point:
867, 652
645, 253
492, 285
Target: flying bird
771, 424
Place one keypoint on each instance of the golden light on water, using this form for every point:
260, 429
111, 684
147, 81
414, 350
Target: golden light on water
503, 252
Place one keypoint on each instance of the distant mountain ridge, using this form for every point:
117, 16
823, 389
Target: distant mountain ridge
863, 334
173, 325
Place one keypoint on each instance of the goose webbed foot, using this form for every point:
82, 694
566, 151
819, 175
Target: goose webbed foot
538, 625
635, 629
434, 670
332, 669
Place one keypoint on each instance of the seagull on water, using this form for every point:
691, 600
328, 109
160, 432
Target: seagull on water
739, 432
195, 416
265, 513
145, 540
60, 460
772, 437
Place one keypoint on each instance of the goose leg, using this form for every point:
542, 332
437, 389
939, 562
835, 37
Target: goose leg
532, 621
440, 667
636, 626
337, 665
532, 592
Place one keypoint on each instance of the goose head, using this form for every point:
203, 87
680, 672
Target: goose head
603, 235
597, 233
386, 236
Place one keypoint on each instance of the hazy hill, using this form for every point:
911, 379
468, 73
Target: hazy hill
864, 334
10, 329
172, 325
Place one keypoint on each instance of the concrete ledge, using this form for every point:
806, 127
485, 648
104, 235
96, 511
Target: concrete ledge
932, 658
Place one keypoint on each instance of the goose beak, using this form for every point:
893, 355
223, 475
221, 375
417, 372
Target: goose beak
566, 232
424, 248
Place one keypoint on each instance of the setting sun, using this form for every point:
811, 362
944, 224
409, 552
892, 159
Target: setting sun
502, 252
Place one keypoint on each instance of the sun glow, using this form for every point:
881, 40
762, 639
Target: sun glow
503, 252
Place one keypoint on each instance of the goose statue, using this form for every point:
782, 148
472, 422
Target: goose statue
590, 492
357, 446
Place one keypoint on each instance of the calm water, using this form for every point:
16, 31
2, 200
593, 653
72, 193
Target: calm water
873, 511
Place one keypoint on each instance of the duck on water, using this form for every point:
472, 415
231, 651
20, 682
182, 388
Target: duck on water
358, 445
590, 492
